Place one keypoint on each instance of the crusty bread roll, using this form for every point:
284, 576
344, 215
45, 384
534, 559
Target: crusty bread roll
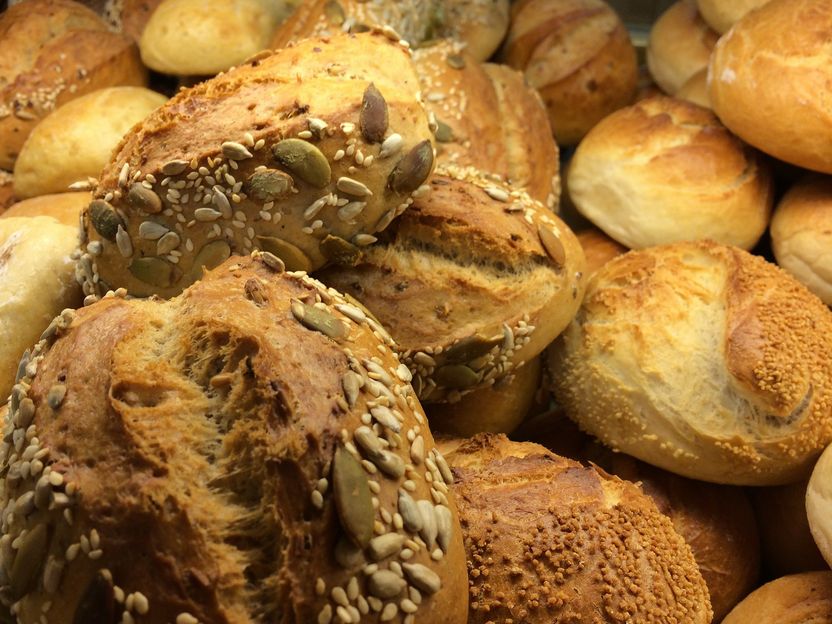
65, 208
722, 14
680, 45
6, 190
37, 281
664, 170
695, 90
305, 152
578, 55
549, 540
801, 234
703, 360
248, 451
52, 51
471, 281
798, 599
819, 504
780, 50
75, 141
598, 249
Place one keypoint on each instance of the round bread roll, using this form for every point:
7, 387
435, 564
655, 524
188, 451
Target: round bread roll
598, 249
248, 451
819, 504
722, 14
6, 190
65, 208
664, 170
75, 142
779, 50
288, 153
801, 234
680, 45
798, 599
37, 281
549, 540
695, 90
703, 360
471, 282
578, 55
52, 51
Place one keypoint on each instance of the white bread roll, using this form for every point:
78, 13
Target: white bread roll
819, 504
722, 14
695, 90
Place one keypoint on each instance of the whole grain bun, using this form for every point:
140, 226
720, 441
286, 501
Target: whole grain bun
549, 540
305, 152
695, 90
248, 451
819, 504
722, 14
801, 234
471, 281
578, 55
703, 360
65, 208
598, 249
75, 141
680, 45
779, 50
664, 170
798, 599
52, 51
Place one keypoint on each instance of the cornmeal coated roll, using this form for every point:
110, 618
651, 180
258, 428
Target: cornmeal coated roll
65, 208
797, 599
781, 50
75, 142
37, 281
52, 51
801, 234
664, 170
578, 55
470, 282
305, 152
549, 540
722, 14
703, 360
680, 45
487, 117
819, 504
247, 452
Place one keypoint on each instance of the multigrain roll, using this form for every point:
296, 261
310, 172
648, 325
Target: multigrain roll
703, 360
52, 51
664, 170
578, 55
819, 504
598, 249
471, 281
65, 208
798, 599
248, 451
549, 540
75, 142
801, 234
306, 152
722, 14
779, 50
680, 45
695, 90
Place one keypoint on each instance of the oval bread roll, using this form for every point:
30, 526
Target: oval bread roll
797, 599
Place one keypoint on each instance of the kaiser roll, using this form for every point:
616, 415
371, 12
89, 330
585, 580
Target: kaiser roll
819, 504
722, 14
798, 599
65, 208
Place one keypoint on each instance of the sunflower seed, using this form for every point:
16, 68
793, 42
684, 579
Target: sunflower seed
373, 116
352, 187
206, 214
174, 167
153, 271
392, 145
552, 244
496, 193
429, 530
422, 577
385, 546
142, 198
351, 383
417, 450
104, 219
293, 258
353, 499
368, 442
351, 210
386, 418
272, 261
123, 242
150, 230
444, 526
98, 603
390, 464
304, 160
221, 202
167, 243
456, 376
268, 185
412, 170
444, 469
385, 584
235, 151
28, 561
410, 512
212, 255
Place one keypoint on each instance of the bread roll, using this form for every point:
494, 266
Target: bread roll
578, 55
722, 14
819, 504
598, 249
801, 234
6, 190
130, 16
250, 442
52, 51
664, 170
798, 599
703, 360
75, 141
471, 282
306, 153
65, 208
37, 281
548, 540
680, 45
779, 50
695, 90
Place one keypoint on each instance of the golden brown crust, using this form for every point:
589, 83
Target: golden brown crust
232, 455
66, 208
797, 599
6, 190
819, 504
695, 89
722, 14
598, 249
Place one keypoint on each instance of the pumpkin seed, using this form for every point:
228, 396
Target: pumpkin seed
211, 256
319, 320
552, 244
456, 376
334, 12
304, 160
422, 577
348, 555
153, 271
142, 198
97, 603
456, 61
293, 258
174, 167
373, 116
470, 348
104, 219
385, 546
444, 133
28, 561
268, 185
385, 584
339, 251
353, 499
409, 512
412, 170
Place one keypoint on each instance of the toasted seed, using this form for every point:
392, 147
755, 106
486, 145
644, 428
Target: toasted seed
351, 210
142, 198
390, 611
412, 170
429, 530
98, 603
456, 376
334, 12
456, 61
167, 243
444, 133
255, 291
373, 116
29, 560
123, 242
211, 255
422, 577
385, 584
352, 187
410, 512
221, 202
339, 251
385, 546
150, 230
322, 321
390, 464
417, 450
56, 395
21, 366
304, 160
496, 193
353, 499
384, 416
391, 145
272, 261
104, 219
206, 214
268, 185
153, 271
444, 526
235, 151
174, 167
368, 442
444, 469
25, 413
470, 348
293, 258
552, 244
351, 384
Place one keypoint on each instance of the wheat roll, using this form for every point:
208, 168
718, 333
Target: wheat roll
797, 599
819, 504
65, 208
722, 14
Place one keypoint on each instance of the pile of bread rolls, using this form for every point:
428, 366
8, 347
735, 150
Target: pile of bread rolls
412, 311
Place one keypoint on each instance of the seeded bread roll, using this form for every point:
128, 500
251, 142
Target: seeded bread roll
52, 51
819, 504
578, 55
722, 14
664, 170
36, 283
65, 208
6, 190
797, 599
549, 540
471, 281
75, 142
305, 153
251, 451
598, 249
703, 360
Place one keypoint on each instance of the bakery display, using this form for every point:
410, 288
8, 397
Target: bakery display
66, 208
798, 599
819, 504
722, 14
